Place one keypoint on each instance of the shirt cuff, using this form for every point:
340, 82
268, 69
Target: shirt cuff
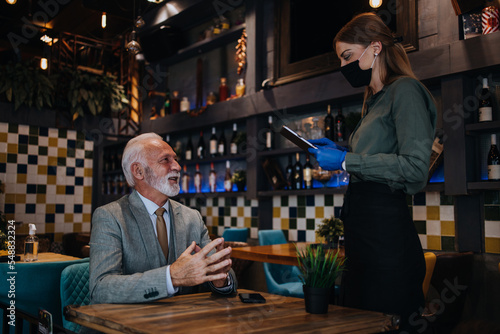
343, 165
171, 290
225, 289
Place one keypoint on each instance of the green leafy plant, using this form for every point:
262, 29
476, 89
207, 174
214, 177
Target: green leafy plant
319, 269
239, 176
331, 229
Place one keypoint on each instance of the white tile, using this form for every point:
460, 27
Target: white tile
12, 138
32, 149
240, 222
87, 181
24, 130
11, 187
53, 132
319, 200
276, 201
22, 159
77, 218
292, 235
88, 163
447, 212
310, 236
4, 127
423, 240
285, 212
254, 203
33, 169
209, 221
30, 198
233, 211
433, 227
419, 212
51, 190
329, 211
240, 201
40, 217
11, 169
60, 199
52, 151
276, 223
3, 147
220, 230
40, 209
247, 211
68, 228
86, 227
79, 194
70, 162
432, 198
227, 221
42, 160
59, 227
40, 228
80, 154
71, 134
62, 143
43, 141
301, 224
338, 199
254, 233
89, 145
492, 229
292, 201
69, 200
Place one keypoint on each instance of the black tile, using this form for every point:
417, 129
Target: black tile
221, 221
448, 244
491, 212
328, 200
247, 202
284, 200
50, 218
301, 236
491, 197
292, 223
32, 159
59, 208
292, 212
12, 158
420, 226
234, 201
71, 153
78, 181
22, 149
30, 208
80, 144
10, 208
301, 200
215, 200
63, 133
254, 222
51, 170
234, 221
23, 139
33, 130
13, 128
419, 199
31, 188
221, 211
89, 155
310, 200
43, 132
70, 190
227, 211
79, 163
3, 167
71, 143
336, 211
70, 171
61, 161
254, 211
301, 212
310, 224
446, 200
43, 150
22, 169
33, 140
80, 135
41, 189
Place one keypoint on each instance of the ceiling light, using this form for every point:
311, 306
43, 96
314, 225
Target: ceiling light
139, 22
103, 20
11, 2
133, 46
375, 3
156, 1
44, 63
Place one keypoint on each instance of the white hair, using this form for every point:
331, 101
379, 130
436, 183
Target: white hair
134, 152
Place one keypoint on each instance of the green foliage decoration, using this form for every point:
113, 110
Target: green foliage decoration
319, 268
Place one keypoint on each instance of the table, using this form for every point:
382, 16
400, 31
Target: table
207, 313
50, 257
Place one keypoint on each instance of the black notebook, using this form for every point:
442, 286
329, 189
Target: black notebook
296, 138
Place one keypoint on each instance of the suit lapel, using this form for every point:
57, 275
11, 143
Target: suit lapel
154, 253
177, 230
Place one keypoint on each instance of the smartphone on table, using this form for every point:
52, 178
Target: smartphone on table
252, 298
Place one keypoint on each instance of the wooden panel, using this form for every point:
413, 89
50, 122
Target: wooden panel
475, 53
427, 18
469, 223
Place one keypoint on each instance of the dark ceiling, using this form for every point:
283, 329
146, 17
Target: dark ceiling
78, 17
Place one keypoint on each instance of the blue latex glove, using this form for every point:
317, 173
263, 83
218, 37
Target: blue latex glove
328, 158
325, 142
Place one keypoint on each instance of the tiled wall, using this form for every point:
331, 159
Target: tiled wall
492, 221
48, 178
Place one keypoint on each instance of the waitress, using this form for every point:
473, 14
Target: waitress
389, 159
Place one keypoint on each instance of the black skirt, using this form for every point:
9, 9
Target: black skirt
385, 265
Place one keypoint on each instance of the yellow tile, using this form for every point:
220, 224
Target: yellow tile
11, 216
248, 222
50, 228
58, 237
52, 161
492, 245
68, 218
433, 212
61, 190
52, 142
11, 199
320, 212
21, 178
51, 179
62, 152
276, 212
448, 228
87, 172
86, 218
12, 148
77, 227
434, 242
3, 157
23, 229
41, 198
50, 208
42, 170
3, 137
21, 198
241, 212
209, 211
285, 223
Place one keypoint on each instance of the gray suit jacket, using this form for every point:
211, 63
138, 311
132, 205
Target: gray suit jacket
126, 261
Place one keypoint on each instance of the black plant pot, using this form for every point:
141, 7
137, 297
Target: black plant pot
316, 299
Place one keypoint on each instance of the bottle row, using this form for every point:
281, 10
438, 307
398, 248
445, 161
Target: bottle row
115, 185
213, 181
485, 102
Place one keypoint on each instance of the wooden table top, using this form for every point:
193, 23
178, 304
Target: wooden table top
207, 313
49, 257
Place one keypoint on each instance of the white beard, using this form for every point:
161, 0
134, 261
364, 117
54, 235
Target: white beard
163, 184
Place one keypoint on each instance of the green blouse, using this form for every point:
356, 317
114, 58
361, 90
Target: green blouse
392, 143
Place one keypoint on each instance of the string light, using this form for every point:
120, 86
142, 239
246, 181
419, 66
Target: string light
44, 64
11, 2
103, 20
375, 3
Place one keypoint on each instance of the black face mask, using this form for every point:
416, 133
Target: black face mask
355, 75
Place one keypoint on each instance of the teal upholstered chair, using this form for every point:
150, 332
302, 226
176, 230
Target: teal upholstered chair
37, 286
235, 234
281, 279
74, 289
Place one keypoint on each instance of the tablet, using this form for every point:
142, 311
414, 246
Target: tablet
296, 138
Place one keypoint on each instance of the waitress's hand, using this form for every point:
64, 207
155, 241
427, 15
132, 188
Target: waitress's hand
325, 142
328, 158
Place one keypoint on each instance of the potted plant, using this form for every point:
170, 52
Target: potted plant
331, 229
240, 179
319, 269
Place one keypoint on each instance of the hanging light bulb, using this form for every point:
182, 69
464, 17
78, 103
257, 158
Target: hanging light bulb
44, 64
375, 3
11, 2
139, 22
103, 20
133, 46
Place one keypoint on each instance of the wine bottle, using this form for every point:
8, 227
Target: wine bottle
175, 103
493, 160
307, 173
485, 110
234, 144
167, 140
189, 150
339, 126
270, 134
185, 181
213, 143
200, 150
166, 103
221, 146
223, 90
289, 173
212, 178
197, 179
228, 182
297, 174
329, 124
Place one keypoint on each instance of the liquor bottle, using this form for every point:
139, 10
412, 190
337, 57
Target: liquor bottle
339, 126
316, 132
118, 157
240, 88
197, 179
228, 182
223, 90
167, 140
213, 143
112, 164
212, 178
221, 146
184, 104
200, 150
167, 102
175, 103
185, 181
189, 150
308, 174
493, 160
329, 121
289, 173
234, 144
297, 174
269, 134
485, 110
31, 245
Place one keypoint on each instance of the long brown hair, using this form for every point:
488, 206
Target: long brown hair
368, 27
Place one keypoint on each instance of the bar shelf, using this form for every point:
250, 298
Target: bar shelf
304, 192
